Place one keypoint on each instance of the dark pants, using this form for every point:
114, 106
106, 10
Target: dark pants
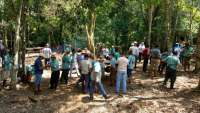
129, 73
136, 59
64, 75
85, 82
46, 62
161, 67
140, 57
145, 64
170, 74
54, 79
100, 88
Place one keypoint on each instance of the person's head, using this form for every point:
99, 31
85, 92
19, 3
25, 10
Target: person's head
47, 45
130, 52
67, 52
147, 46
156, 45
123, 54
41, 56
53, 56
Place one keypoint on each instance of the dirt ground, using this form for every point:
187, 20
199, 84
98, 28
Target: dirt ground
144, 96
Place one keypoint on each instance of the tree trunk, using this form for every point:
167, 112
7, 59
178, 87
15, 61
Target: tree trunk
17, 42
167, 24
150, 13
197, 55
90, 32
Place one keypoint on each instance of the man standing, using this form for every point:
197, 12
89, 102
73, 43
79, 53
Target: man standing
155, 61
86, 66
66, 63
121, 73
146, 54
55, 72
7, 67
38, 68
131, 62
141, 48
172, 62
135, 52
96, 78
2, 52
47, 54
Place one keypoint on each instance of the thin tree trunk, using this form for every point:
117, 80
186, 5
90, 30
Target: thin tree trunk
197, 55
17, 42
150, 24
167, 23
90, 32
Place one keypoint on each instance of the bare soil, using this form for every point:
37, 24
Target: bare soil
144, 95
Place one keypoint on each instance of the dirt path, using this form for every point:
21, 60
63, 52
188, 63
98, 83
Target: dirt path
144, 96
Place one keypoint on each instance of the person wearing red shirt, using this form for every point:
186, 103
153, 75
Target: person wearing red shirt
146, 54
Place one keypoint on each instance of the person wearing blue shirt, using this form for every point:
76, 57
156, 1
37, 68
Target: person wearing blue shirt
172, 62
38, 70
131, 62
55, 72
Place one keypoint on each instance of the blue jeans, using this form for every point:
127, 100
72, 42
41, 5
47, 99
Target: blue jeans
100, 88
121, 76
38, 78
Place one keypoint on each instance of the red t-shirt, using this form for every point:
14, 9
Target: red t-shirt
146, 52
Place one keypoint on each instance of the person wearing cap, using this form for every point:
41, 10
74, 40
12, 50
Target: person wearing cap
55, 72
66, 63
38, 70
172, 63
46, 51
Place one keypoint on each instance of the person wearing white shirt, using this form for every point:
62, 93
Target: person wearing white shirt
135, 52
46, 51
122, 65
141, 48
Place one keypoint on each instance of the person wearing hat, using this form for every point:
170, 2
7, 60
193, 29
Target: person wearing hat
38, 70
172, 62
55, 72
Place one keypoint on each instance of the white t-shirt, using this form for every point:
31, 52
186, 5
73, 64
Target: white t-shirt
96, 72
46, 52
135, 50
122, 64
141, 48
86, 65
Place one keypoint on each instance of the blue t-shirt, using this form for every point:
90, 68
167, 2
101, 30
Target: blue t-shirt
131, 61
38, 66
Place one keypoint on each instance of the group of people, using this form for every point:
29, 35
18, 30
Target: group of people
92, 67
